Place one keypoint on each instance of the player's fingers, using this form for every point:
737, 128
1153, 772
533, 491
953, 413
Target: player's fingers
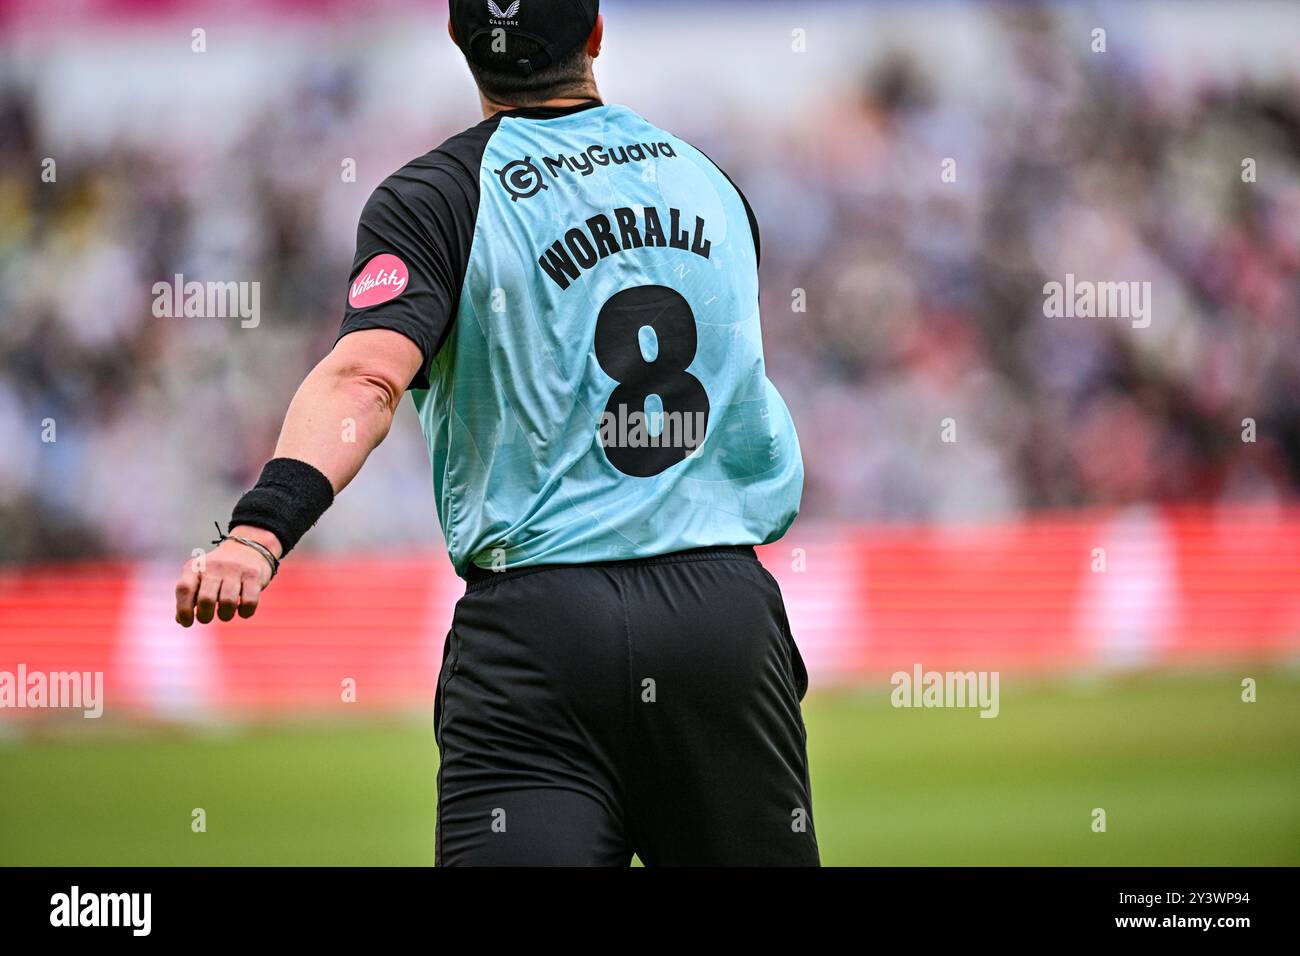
252, 593
187, 589
228, 598
209, 589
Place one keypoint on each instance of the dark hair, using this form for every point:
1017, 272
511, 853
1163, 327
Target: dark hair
569, 76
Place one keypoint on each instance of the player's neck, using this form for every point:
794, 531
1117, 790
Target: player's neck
491, 108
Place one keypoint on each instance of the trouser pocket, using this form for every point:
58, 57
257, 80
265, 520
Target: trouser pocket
798, 671
450, 649
797, 665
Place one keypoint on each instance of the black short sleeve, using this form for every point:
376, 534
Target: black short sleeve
413, 246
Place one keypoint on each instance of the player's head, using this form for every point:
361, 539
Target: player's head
524, 52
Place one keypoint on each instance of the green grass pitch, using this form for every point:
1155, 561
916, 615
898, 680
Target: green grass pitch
1186, 772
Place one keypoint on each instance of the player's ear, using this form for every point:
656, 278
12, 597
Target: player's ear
597, 35
450, 32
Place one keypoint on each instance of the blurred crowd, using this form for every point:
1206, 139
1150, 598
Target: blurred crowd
926, 296
906, 244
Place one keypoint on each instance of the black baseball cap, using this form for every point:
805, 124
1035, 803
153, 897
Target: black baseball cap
555, 27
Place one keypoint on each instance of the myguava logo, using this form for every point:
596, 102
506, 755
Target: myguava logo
521, 178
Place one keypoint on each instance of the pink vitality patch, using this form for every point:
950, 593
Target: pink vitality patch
384, 277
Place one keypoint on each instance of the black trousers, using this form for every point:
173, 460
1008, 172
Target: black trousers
585, 713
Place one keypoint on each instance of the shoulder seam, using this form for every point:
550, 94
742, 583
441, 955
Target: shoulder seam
744, 201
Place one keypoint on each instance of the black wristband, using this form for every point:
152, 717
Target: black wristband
289, 497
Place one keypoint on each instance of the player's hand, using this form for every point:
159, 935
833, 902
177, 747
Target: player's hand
227, 580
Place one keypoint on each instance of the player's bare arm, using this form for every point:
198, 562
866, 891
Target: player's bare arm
362, 380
